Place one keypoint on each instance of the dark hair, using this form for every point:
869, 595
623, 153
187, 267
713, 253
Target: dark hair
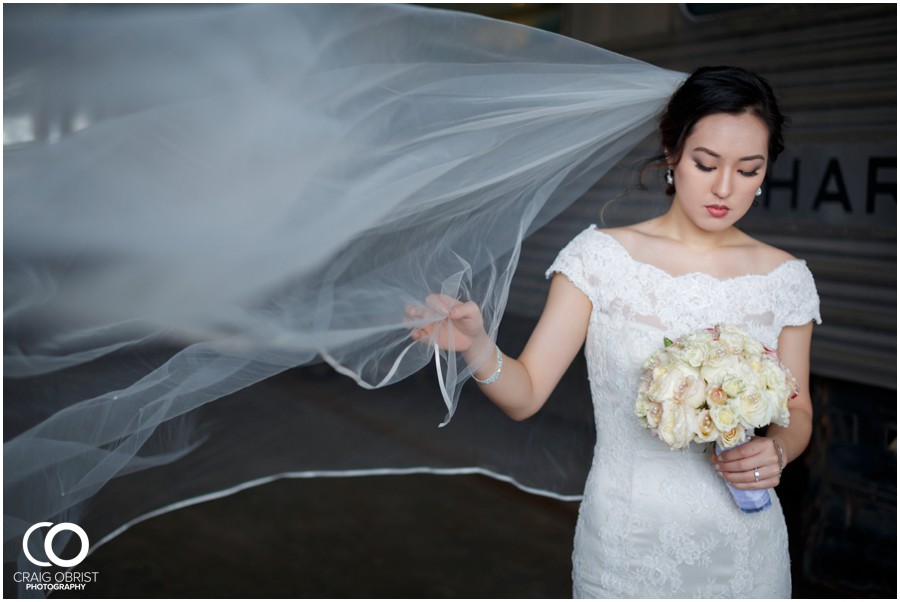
712, 90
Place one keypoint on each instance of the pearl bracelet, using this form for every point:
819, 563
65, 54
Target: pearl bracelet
493, 377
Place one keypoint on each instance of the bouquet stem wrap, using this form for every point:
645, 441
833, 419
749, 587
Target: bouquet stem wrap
748, 500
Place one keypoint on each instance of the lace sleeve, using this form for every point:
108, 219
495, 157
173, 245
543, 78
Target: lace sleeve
572, 263
799, 303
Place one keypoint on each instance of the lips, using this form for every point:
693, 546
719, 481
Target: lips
717, 210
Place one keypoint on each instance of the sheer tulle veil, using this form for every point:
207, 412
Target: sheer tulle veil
247, 189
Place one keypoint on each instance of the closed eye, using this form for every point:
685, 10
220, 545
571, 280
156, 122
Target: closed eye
703, 167
749, 174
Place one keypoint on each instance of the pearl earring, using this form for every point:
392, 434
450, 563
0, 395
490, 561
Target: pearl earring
759, 191
670, 179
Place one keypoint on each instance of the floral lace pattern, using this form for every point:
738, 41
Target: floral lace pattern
657, 523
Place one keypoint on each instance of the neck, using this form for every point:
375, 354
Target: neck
675, 225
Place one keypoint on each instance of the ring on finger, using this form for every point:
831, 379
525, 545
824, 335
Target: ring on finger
756, 474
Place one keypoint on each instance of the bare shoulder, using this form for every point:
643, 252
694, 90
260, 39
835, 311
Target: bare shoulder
631, 235
764, 256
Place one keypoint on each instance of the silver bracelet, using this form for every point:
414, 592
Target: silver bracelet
780, 453
493, 377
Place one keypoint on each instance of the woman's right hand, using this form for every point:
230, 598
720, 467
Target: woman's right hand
460, 322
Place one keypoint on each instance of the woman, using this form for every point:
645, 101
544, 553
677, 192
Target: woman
656, 523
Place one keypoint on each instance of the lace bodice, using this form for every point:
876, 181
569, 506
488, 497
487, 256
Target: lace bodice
625, 288
646, 527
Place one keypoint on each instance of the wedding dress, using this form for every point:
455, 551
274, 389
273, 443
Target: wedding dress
658, 523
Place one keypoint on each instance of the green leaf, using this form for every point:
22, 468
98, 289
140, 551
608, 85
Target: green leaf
668, 342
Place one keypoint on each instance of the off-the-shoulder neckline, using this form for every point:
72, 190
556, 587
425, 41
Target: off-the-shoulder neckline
658, 269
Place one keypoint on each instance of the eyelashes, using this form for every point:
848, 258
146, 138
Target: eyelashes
707, 168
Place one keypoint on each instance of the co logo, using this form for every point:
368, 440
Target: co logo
48, 544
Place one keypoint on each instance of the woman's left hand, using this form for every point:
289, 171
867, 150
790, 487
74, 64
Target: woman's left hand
753, 465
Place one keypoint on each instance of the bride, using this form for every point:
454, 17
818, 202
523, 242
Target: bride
207, 196
653, 522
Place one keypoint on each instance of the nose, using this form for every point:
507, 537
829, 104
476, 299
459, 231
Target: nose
723, 184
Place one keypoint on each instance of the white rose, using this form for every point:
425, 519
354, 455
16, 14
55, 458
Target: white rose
654, 414
715, 369
670, 383
646, 410
641, 406
753, 348
724, 416
752, 368
776, 406
644, 385
703, 337
777, 377
731, 339
693, 391
755, 365
661, 382
677, 425
695, 353
653, 360
754, 409
733, 386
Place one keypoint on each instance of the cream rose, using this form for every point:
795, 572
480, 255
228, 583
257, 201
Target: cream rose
706, 430
716, 396
732, 437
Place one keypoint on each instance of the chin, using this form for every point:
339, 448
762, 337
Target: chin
716, 224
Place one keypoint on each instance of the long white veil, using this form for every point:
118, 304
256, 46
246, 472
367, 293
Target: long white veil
203, 197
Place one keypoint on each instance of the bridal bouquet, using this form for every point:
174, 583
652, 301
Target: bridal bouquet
713, 385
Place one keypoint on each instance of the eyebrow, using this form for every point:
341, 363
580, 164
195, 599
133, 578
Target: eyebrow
717, 155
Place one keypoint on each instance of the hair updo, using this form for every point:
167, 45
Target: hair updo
712, 90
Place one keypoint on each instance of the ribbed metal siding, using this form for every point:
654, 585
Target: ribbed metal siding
834, 70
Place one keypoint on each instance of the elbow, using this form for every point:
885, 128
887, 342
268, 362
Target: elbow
522, 413
520, 416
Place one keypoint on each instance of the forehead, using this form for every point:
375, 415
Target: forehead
743, 134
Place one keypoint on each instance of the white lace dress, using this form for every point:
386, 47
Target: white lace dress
656, 523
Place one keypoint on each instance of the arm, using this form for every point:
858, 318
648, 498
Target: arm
737, 465
524, 384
